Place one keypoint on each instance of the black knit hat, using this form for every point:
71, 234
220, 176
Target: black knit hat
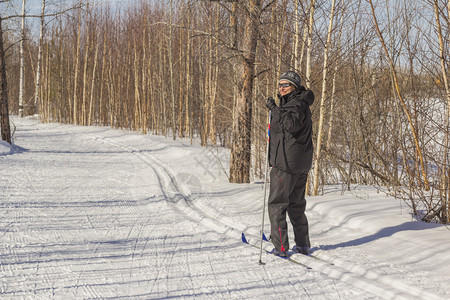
292, 77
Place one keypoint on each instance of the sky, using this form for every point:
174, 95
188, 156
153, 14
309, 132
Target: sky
34, 7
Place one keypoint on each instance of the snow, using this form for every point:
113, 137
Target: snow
5, 148
91, 212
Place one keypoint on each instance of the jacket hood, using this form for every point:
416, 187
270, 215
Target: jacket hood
308, 97
302, 93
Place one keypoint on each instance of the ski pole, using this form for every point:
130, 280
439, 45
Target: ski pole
265, 191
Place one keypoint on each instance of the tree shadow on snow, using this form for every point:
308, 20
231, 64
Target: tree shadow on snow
383, 233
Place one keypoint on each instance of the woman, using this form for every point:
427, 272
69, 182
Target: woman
290, 156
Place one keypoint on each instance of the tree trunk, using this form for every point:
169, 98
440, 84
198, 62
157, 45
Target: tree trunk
93, 87
103, 81
85, 69
187, 125
181, 86
296, 53
137, 97
47, 86
312, 10
172, 90
241, 147
4, 112
77, 58
214, 81
234, 24
280, 33
144, 72
323, 99
38, 68
444, 180
22, 67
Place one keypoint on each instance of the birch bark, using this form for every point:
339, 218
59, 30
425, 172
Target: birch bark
323, 99
22, 66
38, 68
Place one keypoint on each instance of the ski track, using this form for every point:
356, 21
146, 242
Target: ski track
126, 244
362, 278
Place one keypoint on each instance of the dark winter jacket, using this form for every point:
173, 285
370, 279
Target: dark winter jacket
290, 143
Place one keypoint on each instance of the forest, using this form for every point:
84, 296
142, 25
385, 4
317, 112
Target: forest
202, 70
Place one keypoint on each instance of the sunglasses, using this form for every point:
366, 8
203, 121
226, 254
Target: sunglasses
284, 85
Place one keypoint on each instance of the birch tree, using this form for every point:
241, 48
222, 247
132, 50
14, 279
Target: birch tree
323, 99
77, 63
296, 51
312, 9
22, 66
172, 90
443, 56
39, 58
87, 46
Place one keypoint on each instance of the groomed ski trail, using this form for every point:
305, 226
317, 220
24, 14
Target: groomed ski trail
106, 213
380, 286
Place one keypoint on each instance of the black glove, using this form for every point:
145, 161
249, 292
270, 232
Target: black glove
270, 103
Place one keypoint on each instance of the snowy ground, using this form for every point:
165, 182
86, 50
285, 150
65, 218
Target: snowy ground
89, 212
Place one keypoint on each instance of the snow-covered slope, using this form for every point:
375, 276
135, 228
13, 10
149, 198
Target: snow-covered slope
90, 212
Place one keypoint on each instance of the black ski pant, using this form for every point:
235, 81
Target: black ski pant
287, 194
